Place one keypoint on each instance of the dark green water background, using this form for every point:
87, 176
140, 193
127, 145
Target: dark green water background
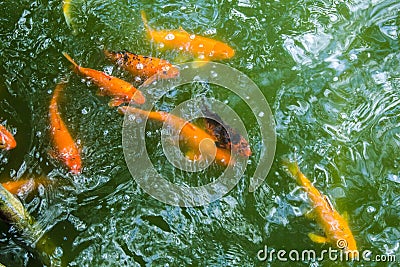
329, 70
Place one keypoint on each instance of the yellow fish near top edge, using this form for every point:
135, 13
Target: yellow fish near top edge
67, 9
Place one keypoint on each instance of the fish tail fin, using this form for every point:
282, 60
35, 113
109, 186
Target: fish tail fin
71, 60
109, 54
145, 22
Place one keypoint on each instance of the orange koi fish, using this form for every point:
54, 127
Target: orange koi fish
201, 48
121, 90
14, 186
7, 140
336, 229
142, 66
65, 147
196, 138
226, 137
23, 185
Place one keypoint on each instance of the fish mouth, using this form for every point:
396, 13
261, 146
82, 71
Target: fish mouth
139, 98
248, 153
76, 170
7, 146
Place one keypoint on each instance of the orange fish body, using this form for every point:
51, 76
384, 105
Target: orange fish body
193, 135
336, 229
15, 186
7, 140
202, 48
120, 90
64, 146
143, 66
22, 185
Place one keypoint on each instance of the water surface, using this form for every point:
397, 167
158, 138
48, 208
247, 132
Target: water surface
329, 69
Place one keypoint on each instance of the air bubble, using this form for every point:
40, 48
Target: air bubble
353, 57
139, 66
394, 178
370, 209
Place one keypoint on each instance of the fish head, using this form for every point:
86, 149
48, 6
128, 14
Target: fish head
74, 163
240, 144
222, 51
7, 140
138, 97
168, 71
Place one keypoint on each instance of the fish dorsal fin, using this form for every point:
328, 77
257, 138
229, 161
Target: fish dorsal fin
328, 201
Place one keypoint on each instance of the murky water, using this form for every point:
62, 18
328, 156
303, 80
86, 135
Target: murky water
329, 69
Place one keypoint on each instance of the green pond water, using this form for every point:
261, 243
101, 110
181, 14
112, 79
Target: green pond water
330, 71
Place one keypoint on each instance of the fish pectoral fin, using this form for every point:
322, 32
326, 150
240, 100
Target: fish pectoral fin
310, 215
150, 80
317, 238
115, 102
